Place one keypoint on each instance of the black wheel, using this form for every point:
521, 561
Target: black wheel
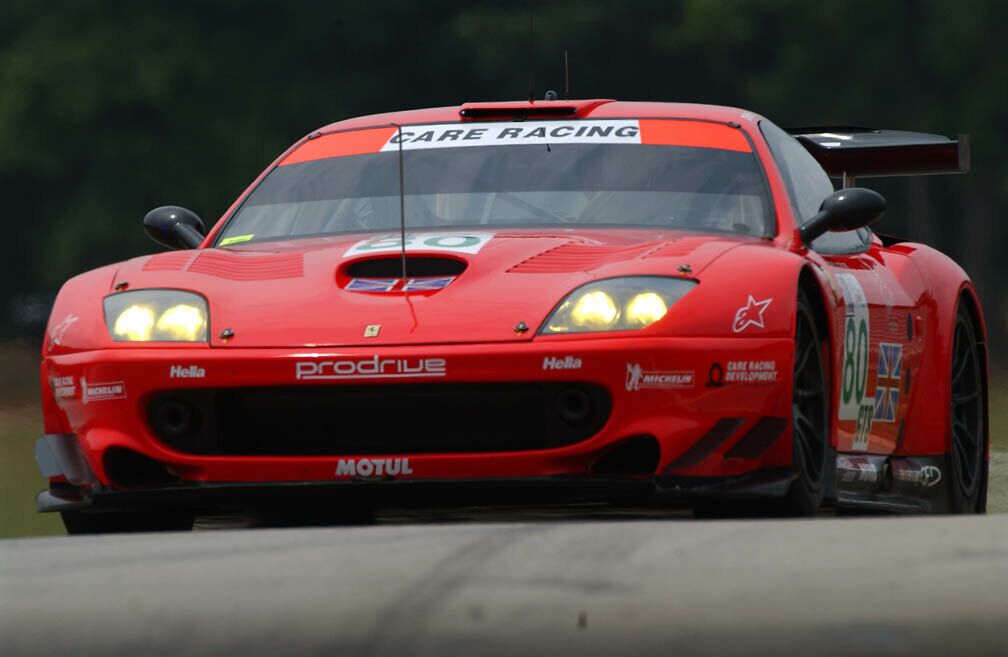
85, 522
810, 417
967, 462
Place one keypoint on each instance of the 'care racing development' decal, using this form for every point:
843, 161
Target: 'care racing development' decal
449, 135
451, 242
369, 368
565, 363
390, 467
715, 376
854, 403
750, 314
95, 392
638, 378
751, 371
186, 372
63, 387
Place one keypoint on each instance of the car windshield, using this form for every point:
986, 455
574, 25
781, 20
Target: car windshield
654, 173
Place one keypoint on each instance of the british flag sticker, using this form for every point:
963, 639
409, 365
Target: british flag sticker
887, 388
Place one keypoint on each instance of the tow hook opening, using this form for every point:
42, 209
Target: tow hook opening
635, 456
128, 469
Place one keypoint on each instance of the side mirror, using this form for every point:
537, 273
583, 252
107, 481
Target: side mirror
174, 227
846, 209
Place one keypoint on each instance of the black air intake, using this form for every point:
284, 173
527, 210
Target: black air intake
381, 419
391, 267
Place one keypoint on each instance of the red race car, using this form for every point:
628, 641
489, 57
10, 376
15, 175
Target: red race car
527, 302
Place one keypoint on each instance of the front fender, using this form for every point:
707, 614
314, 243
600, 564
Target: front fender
751, 291
76, 323
77, 320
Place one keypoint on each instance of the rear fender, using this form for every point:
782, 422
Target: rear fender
928, 430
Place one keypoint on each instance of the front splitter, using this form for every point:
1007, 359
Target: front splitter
530, 491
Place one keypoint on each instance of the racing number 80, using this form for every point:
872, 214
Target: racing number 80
855, 371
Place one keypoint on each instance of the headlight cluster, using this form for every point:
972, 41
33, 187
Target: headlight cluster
617, 304
156, 316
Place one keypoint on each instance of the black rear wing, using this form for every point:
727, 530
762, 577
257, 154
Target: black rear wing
849, 153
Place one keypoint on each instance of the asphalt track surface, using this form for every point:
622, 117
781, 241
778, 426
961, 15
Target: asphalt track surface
831, 586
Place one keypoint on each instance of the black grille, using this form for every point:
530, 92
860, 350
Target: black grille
379, 419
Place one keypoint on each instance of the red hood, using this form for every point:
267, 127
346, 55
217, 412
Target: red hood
289, 293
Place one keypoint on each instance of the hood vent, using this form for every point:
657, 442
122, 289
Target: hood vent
391, 267
678, 248
172, 261
233, 266
578, 257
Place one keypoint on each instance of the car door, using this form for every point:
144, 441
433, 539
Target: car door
878, 344
881, 347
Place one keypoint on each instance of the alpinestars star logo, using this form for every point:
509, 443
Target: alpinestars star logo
750, 314
56, 334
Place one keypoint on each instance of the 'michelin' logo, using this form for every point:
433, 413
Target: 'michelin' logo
93, 392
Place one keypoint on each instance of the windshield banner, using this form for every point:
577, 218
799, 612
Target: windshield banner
663, 132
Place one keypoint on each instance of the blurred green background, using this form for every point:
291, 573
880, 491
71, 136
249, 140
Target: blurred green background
108, 110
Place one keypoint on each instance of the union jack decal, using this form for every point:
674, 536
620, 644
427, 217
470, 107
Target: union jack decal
887, 389
890, 361
372, 284
424, 284
417, 284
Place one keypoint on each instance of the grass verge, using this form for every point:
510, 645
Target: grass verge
19, 478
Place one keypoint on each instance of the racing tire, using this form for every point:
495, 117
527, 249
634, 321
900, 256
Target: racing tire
810, 449
83, 522
967, 451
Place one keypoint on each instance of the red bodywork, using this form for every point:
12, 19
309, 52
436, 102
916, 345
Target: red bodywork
286, 304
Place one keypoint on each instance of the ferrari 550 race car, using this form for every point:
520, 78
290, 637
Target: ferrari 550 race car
527, 302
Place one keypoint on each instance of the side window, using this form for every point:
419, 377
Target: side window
808, 185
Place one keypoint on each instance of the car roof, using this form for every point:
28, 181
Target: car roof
598, 108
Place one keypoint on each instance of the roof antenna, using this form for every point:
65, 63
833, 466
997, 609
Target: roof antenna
531, 94
566, 77
402, 208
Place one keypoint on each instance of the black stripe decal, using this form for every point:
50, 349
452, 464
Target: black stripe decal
758, 439
711, 440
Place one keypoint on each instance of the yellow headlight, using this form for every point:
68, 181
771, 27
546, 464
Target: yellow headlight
645, 308
134, 323
595, 309
182, 322
621, 303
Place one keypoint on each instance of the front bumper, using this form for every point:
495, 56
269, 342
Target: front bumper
714, 423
